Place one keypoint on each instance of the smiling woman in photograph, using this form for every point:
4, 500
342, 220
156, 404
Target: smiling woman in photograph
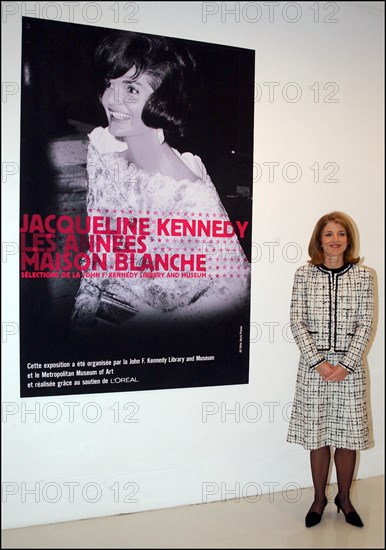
135, 172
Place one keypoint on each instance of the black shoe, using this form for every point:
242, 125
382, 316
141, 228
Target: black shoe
313, 518
352, 517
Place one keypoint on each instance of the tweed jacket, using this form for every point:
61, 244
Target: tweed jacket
332, 311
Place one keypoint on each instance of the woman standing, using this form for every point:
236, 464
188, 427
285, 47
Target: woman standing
331, 320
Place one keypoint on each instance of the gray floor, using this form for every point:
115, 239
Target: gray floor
272, 521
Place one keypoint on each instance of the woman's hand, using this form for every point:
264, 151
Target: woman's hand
325, 369
338, 374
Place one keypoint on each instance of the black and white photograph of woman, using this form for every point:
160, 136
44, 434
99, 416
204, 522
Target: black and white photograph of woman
137, 166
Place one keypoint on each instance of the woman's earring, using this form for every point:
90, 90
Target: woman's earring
161, 136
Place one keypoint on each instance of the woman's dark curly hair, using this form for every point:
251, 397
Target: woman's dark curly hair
169, 68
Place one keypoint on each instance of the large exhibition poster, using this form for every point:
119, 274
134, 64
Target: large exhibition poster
135, 211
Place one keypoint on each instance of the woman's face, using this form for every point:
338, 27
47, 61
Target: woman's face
334, 243
123, 101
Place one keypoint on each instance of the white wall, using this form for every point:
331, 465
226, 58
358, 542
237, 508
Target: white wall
174, 455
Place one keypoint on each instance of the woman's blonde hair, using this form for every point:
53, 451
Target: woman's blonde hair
315, 250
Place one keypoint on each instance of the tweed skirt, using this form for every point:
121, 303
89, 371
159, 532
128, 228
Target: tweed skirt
329, 413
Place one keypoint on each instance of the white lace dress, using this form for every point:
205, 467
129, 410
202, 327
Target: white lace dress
118, 189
